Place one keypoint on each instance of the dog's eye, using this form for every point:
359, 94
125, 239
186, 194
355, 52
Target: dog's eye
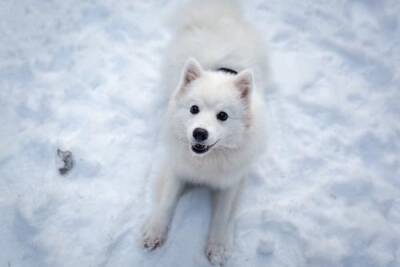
194, 109
222, 116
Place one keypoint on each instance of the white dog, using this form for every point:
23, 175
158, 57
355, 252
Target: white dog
215, 120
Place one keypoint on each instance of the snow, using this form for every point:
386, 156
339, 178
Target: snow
83, 76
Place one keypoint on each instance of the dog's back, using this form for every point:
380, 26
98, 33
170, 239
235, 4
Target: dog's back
215, 33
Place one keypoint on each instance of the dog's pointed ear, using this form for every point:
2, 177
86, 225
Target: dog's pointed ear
244, 83
191, 71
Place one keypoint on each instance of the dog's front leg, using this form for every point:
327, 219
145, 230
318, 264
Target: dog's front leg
168, 191
224, 203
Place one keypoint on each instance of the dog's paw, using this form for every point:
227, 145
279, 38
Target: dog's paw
154, 236
217, 253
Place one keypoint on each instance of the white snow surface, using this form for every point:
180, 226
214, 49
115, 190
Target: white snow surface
84, 76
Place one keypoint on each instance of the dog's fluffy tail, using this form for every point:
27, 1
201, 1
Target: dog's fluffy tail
205, 13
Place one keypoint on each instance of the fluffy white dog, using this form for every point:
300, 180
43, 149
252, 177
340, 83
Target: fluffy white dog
215, 126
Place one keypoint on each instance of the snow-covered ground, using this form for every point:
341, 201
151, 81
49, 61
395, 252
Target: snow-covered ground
83, 76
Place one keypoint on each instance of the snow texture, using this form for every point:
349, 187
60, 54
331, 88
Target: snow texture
84, 76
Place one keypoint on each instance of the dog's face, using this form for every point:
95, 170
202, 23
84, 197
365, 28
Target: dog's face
211, 108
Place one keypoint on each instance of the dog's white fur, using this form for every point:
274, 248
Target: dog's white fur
212, 35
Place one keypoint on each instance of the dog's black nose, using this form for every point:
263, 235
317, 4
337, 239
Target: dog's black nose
200, 134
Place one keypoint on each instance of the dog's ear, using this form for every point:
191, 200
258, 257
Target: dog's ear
191, 71
244, 83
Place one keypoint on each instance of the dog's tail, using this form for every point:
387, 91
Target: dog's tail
205, 13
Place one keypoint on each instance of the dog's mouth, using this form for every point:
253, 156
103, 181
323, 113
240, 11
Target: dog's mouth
199, 148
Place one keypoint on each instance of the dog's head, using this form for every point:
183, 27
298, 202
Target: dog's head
212, 109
